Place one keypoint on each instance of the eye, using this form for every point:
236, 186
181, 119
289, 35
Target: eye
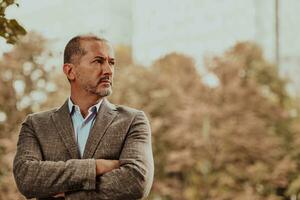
112, 62
101, 61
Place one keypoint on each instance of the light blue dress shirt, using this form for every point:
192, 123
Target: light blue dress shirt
82, 126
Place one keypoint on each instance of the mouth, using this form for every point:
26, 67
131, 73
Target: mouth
104, 80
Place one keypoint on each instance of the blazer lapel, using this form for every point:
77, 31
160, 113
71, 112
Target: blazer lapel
107, 112
63, 124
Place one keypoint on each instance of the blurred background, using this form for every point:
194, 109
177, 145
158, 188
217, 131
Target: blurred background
218, 80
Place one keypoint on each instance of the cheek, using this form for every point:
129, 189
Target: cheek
88, 72
112, 72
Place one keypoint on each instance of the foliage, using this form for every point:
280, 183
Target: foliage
10, 29
237, 140
24, 85
234, 141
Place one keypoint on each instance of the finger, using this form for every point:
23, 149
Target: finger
59, 195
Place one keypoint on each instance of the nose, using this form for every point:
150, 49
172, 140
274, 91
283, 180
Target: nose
107, 69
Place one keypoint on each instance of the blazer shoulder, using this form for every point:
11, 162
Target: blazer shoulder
127, 110
42, 114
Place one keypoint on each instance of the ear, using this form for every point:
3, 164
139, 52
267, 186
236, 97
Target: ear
68, 69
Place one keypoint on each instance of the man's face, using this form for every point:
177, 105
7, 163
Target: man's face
94, 71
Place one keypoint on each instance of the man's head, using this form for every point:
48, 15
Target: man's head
89, 65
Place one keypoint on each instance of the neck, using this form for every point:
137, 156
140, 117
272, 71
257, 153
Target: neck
84, 101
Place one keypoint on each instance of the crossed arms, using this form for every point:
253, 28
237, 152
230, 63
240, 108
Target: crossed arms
129, 178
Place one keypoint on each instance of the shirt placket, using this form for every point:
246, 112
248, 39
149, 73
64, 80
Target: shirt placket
83, 129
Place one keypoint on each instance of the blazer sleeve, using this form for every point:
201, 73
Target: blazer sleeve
37, 178
133, 180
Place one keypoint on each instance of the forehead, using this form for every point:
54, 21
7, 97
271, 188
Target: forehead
97, 48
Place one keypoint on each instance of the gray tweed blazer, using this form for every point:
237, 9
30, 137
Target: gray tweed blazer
48, 162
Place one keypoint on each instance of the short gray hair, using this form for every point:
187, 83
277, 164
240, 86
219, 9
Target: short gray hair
73, 51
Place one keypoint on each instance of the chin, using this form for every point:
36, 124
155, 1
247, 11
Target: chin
104, 92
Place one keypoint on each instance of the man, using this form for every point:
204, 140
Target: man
88, 148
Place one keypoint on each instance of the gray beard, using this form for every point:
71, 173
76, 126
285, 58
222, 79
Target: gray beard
93, 90
104, 93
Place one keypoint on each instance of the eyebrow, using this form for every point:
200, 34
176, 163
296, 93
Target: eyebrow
103, 57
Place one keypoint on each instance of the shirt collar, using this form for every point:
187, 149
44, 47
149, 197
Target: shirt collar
72, 106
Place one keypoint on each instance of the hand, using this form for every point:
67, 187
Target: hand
104, 166
62, 194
